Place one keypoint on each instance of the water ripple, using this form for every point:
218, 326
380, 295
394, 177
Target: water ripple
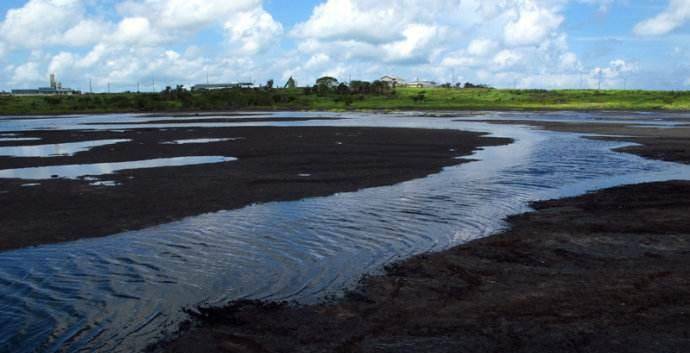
120, 293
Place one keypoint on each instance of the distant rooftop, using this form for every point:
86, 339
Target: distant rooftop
217, 86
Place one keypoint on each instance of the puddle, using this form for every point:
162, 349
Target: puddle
56, 150
81, 170
207, 140
105, 183
19, 139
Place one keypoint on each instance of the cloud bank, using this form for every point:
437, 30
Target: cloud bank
151, 43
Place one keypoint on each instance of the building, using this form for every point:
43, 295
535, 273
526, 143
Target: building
219, 86
420, 84
392, 81
55, 89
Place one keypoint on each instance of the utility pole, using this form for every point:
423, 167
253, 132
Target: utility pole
90, 86
108, 87
153, 85
138, 87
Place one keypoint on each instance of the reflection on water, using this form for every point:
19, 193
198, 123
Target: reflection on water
18, 139
80, 170
119, 293
209, 140
101, 122
55, 150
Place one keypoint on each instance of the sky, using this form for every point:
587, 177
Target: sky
150, 44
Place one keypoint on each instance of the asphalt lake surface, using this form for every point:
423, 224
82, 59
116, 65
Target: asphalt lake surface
123, 292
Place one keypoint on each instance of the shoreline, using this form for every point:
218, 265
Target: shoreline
601, 272
274, 164
353, 110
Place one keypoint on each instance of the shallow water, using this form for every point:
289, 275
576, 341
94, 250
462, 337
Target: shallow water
121, 292
100, 122
201, 141
56, 150
75, 171
18, 139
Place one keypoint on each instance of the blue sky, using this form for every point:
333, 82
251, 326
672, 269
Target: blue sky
521, 43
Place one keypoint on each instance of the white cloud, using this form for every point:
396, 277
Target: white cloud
27, 73
384, 31
62, 61
504, 43
136, 44
249, 28
615, 75
675, 15
86, 32
432, 38
41, 22
506, 58
481, 47
345, 20
532, 23
185, 14
459, 59
136, 31
416, 45
318, 61
254, 30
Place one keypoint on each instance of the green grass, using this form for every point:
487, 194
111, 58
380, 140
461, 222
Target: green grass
487, 99
402, 99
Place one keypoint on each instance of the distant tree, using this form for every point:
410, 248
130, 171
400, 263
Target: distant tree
343, 89
360, 87
381, 87
269, 84
471, 85
326, 83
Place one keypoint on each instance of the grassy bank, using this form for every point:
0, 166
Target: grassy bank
299, 99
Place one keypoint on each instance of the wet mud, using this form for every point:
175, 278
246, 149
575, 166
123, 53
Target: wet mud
604, 272
274, 164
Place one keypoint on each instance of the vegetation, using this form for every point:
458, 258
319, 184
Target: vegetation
332, 95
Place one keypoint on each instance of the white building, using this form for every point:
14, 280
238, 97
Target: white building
420, 84
392, 81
